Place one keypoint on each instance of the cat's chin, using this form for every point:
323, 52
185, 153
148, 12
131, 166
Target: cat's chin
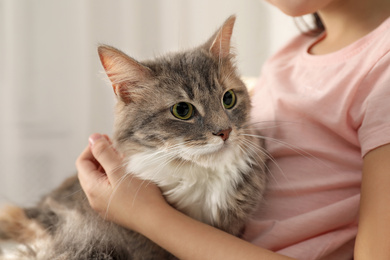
204, 150
212, 156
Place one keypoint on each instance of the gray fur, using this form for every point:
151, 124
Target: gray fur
66, 226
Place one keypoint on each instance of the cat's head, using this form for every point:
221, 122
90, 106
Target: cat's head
192, 104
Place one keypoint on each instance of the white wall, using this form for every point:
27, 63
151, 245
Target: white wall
52, 92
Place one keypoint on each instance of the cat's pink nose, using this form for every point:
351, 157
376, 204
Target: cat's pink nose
224, 134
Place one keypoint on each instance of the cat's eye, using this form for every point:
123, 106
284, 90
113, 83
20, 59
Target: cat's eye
229, 99
183, 110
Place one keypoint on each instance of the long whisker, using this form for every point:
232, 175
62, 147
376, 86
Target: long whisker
166, 156
257, 149
266, 125
121, 180
81, 190
293, 148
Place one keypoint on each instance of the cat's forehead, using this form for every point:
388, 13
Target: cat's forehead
193, 72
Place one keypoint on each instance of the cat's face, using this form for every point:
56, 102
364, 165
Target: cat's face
190, 104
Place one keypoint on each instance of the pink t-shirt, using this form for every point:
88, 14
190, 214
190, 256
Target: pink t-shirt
320, 114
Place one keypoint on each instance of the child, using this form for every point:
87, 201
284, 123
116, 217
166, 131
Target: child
329, 100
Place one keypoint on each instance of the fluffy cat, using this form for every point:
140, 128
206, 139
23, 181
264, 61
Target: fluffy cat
181, 122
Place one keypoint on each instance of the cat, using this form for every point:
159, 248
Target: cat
181, 121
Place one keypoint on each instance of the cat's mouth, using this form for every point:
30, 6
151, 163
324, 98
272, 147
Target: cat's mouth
213, 148
205, 151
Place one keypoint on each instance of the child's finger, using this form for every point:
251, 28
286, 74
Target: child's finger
107, 156
88, 171
86, 161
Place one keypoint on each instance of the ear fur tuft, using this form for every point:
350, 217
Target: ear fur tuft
219, 43
124, 72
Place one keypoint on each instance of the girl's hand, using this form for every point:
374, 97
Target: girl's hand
138, 205
115, 194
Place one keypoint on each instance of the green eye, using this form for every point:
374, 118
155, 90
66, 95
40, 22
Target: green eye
182, 110
229, 99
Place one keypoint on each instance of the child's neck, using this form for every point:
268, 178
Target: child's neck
347, 21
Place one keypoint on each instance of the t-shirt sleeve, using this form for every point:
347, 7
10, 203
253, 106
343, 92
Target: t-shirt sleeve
374, 107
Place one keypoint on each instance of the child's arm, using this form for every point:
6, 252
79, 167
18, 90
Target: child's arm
373, 240
190, 239
140, 206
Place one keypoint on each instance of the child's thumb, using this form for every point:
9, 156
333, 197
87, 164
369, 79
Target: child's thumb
106, 155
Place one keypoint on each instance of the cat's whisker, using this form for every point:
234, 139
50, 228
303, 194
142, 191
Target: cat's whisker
243, 151
266, 125
270, 122
166, 156
168, 159
73, 193
257, 149
116, 169
120, 167
175, 156
170, 153
179, 145
294, 148
138, 190
156, 155
178, 166
122, 179
120, 182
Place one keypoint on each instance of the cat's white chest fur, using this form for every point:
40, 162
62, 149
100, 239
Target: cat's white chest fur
197, 188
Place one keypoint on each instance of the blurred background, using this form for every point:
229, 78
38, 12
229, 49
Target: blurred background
53, 93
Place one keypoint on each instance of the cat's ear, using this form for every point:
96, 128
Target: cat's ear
124, 72
219, 44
